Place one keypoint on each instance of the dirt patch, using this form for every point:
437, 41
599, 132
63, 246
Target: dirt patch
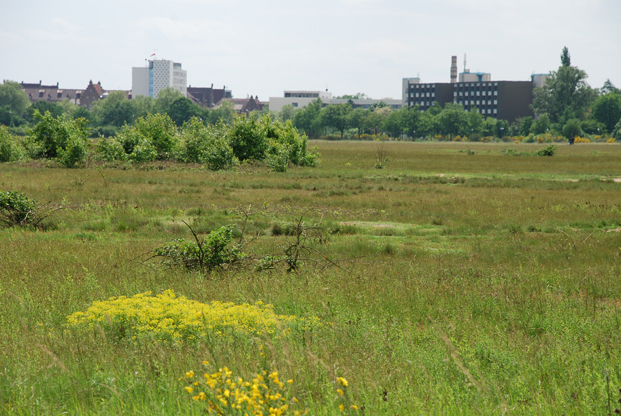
362, 224
614, 230
616, 180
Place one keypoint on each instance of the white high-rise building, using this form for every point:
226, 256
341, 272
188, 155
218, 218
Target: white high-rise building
156, 76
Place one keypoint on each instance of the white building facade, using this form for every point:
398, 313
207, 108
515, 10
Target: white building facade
300, 99
157, 75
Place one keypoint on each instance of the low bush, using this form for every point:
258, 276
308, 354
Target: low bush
10, 149
17, 209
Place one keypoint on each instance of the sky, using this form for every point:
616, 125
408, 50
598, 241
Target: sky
262, 48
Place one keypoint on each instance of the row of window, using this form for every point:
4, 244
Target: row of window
422, 94
472, 102
478, 93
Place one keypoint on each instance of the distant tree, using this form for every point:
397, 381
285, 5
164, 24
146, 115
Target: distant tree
502, 128
119, 114
489, 127
565, 94
182, 110
13, 96
105, 110
565, 58
607, 110
541, 124
525, 124
308, 119
592, 126
357, 96
453, 120
572, 129
143, 105
374, 120
356, 119
475, 123
42, 107
286, 113
336, 116
165, 98
410, 120
81, 112
225, 112
394, 124
609, 87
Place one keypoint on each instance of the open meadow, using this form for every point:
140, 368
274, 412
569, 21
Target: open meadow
445, 283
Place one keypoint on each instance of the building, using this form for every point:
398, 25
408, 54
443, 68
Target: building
157, 75
208, 97
475, 91
246, 105
300, 99
51, 93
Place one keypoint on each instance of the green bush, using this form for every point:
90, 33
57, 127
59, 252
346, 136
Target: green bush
161, 131
110, 149
547, 151
206, 144
52, 135
17, 209
74, 153
247, 137
213, 252
10, 149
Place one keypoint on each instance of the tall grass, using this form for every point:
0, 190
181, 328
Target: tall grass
498, 291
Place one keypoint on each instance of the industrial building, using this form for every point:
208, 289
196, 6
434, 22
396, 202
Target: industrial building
475, 91
300, 99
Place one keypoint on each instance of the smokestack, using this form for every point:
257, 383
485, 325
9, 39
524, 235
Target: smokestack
453, 69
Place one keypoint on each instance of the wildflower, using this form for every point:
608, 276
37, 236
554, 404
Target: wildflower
189, 389
353, 406
341, 407
339, 391
342, 381
189, 374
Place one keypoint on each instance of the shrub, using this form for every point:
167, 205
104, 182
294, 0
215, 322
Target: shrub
206, 144
161, 131
208, 254
17, 209
110, 149
52, 135
74, 153
10, 149
547, 151
248, 139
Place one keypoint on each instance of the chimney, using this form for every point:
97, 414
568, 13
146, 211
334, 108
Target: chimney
453, 69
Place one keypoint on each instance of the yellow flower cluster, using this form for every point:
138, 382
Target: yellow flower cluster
579, 139
343, 397
168, 317
225, 394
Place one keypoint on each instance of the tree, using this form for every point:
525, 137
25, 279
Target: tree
609, 87
182, 110
336, 116
308, 119
286, 113
165, 98
565, 94
43, 107
410, 119
565, 58
53, 136
525, 124
225, 112
374, 120
13, 97
607, 110
453, 120
489, 127
357, 96
107, 111
540, 125
572, 129
393, 124
356, 119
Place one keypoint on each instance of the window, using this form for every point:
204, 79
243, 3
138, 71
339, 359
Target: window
461, 93
495, 102
495, 92
478, 102
416, 94
294, 104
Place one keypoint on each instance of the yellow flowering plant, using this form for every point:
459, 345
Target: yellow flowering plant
171, 318
223, 393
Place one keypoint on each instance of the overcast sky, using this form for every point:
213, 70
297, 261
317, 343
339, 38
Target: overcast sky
264, 47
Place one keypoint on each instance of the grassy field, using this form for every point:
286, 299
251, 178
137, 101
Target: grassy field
458, 284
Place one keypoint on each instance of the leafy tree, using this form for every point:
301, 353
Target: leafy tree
374, 120
572, 129
607, 110
106, 111
453, 120
593, 127
489, 127
565, 93
143, 105
609, 87
475, 122
81, 112
286, 113
393, 124
356, 119
161, 131
357, 96
43, 107
225, 113
336, 116
13, 97
410, 119
165, 98
182, 110
60, 137
248, 139
565, 58
540, 125
525, 124
502, 128
308, 119
118, 113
